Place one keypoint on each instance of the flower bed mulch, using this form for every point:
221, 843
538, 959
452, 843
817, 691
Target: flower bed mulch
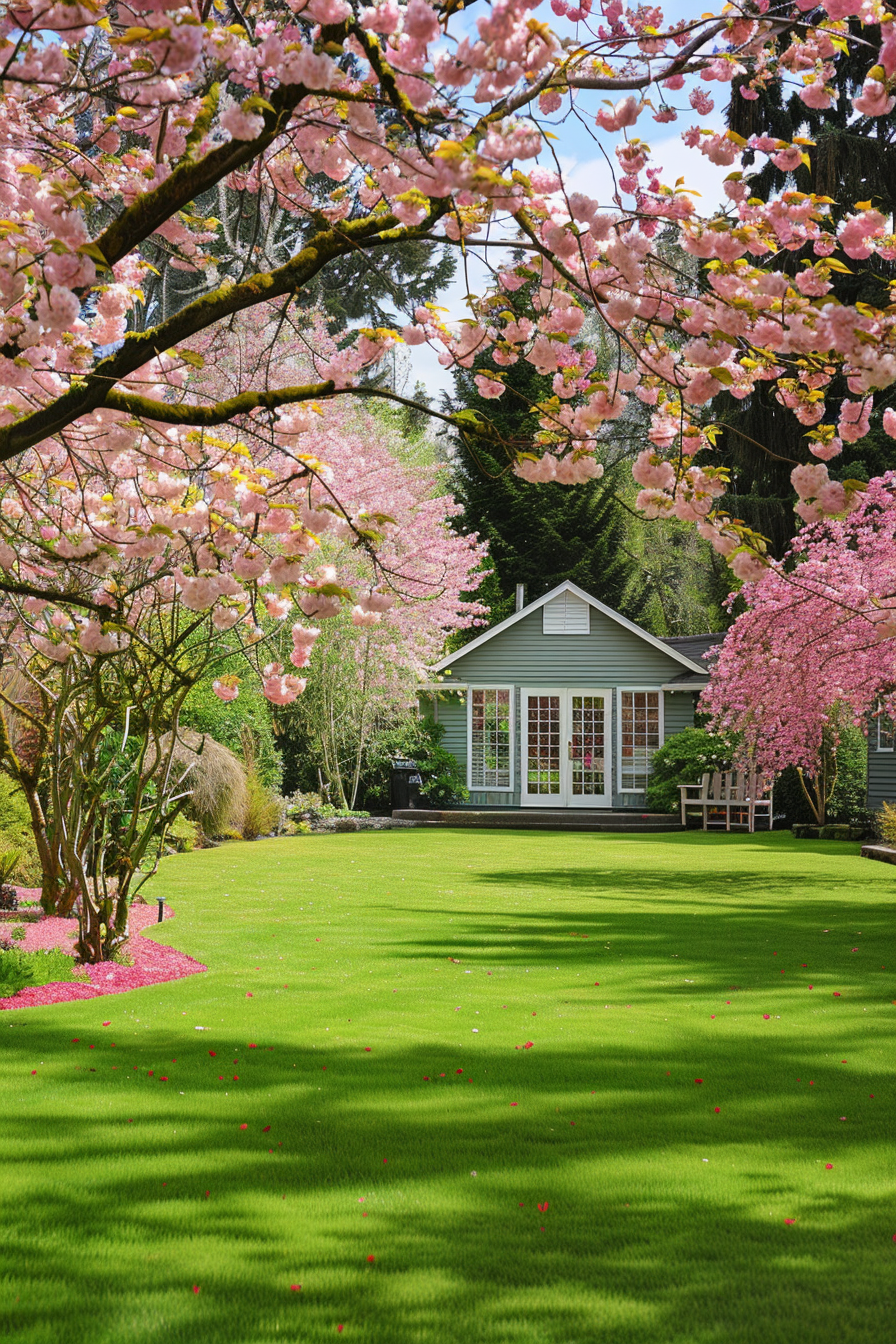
152, 962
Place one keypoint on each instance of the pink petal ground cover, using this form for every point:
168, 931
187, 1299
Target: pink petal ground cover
153, 963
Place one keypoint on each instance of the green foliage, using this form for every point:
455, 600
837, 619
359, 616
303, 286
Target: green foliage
10, 865
205, 713
420, 740
847, 802
676, 583
16, 832
264, 808
16, 972
682, 759
538, 535
310, 807
886, 823
183, 835
23, 970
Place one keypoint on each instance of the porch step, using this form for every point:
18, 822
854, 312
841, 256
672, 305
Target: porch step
545, 819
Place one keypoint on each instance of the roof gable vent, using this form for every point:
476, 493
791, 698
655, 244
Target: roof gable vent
566, 614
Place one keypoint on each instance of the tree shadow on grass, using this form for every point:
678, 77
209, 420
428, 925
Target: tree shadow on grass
642, 1241
644, 921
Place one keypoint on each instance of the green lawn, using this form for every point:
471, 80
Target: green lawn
333, 957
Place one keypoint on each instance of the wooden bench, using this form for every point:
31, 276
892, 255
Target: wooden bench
733, 797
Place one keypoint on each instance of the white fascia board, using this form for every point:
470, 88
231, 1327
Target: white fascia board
569, 587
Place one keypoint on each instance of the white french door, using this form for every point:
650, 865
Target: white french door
566, 748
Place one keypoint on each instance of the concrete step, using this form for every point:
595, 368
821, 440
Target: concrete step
544, 819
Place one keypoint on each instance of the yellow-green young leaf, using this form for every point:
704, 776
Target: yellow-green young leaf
723, 376
95, 253
191, 357
855, 485
159, 529
467, 417
31, 168
255, 103
837, 266
137, 35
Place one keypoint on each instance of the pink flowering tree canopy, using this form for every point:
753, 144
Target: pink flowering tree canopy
370, 125
814, 644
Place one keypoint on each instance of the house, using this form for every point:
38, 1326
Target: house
881, 762
564, 703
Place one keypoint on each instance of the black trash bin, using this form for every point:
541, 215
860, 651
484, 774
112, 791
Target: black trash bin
405, 784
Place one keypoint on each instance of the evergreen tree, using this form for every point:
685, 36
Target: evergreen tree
538, 535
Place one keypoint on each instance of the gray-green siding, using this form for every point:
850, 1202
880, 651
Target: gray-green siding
881, 774
525, 658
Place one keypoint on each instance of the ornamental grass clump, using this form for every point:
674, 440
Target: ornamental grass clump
220, 795
264, 809
886, 823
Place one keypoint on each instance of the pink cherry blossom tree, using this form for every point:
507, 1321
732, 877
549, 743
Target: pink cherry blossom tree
176, 618
814, 647
375, 124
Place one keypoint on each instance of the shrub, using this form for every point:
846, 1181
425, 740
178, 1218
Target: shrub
682, 759
886, 823
264, 809
22, 970
847, 803
421, 741
16, 972
183, 835
16, 832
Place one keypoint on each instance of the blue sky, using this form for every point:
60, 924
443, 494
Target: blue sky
585, 169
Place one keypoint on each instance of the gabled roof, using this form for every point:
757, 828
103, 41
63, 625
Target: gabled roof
695, 647
691, 664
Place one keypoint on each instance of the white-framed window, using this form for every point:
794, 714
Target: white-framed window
886, 732
490, 745
640, 728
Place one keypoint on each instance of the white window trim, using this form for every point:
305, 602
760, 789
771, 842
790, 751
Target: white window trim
879, 725
490, 788
636, 690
